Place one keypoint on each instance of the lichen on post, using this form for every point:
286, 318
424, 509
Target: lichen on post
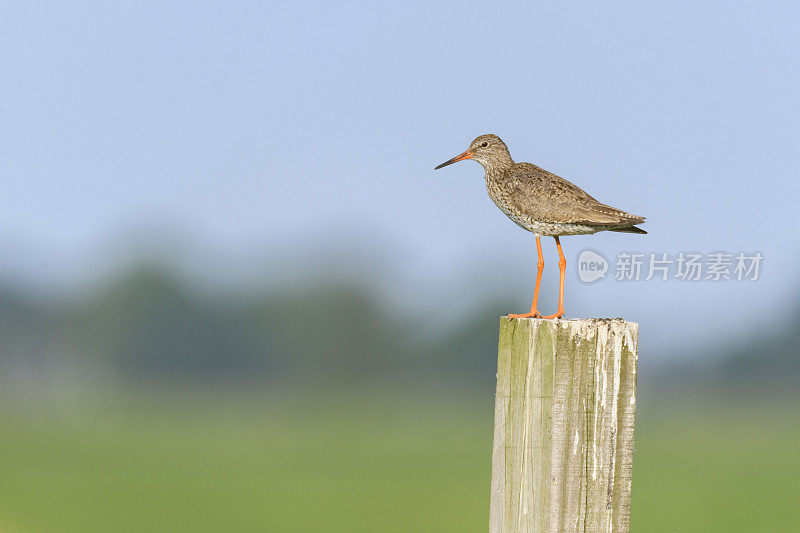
564, 422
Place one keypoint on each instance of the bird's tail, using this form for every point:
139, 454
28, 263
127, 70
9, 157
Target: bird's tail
630, 229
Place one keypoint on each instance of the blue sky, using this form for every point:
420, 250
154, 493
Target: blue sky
260, 131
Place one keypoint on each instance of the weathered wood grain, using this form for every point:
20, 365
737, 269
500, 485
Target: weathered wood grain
564, 421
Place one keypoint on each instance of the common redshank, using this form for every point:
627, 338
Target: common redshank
544, 204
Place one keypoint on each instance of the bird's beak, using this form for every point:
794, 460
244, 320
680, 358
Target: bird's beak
460, 157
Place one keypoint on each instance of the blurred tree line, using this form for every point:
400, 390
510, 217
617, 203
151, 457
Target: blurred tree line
147, 327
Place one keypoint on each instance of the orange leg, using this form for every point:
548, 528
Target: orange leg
562, 269
539, 267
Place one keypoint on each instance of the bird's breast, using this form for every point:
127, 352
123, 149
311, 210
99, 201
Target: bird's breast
500, 193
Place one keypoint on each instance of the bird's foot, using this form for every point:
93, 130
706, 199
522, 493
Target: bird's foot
560, 314
532, 314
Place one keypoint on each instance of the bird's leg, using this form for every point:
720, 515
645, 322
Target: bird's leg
539, 267
562, 269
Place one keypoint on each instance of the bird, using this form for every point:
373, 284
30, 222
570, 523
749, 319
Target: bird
544, 204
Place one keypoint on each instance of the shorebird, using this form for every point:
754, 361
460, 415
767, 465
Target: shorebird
544, 204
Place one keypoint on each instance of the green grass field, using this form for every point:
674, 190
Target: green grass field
361, 465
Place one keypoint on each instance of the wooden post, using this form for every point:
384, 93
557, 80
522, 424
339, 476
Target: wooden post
563, 428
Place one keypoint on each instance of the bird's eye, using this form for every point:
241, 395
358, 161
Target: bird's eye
484, 144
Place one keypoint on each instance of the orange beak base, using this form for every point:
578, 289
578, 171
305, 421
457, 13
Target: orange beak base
460, 157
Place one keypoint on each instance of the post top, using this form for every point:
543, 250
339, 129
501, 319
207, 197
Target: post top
572, 321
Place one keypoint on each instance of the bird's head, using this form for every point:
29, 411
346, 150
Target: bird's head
488, 150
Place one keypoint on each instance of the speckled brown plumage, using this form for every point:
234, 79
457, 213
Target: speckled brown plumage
540, 201
543, 203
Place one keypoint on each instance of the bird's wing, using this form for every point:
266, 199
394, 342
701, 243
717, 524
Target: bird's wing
550, 198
